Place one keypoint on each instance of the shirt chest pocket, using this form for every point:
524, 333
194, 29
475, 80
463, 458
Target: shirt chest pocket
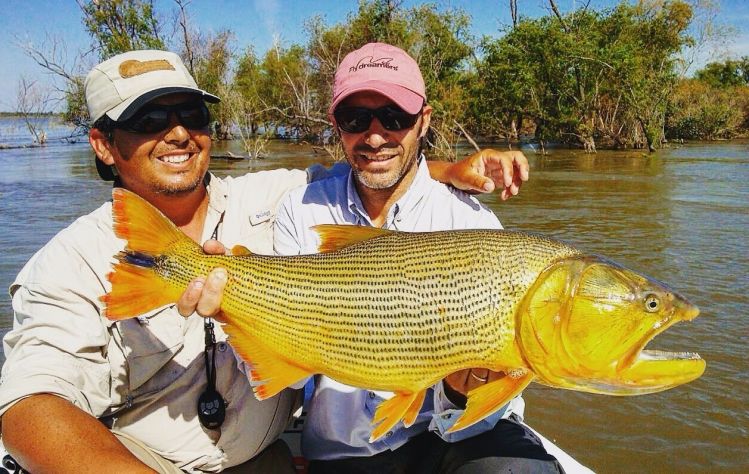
150, 346
257, 235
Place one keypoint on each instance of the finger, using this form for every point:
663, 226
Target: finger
486, 184
493, 376
508, 170
214, 247
521, 165
213, 291
189, 299
479, 376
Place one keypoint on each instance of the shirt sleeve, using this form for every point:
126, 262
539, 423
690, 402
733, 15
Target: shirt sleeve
58, 341
286, 239
317, 171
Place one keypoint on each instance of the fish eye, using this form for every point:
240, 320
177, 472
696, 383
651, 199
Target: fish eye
652, 303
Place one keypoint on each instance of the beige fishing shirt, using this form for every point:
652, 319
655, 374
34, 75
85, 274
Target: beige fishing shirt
142, 376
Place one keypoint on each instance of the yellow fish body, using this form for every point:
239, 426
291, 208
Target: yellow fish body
395, 311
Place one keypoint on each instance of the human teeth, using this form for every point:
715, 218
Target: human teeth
176, 158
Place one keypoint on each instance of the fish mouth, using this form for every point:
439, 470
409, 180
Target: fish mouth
653, 370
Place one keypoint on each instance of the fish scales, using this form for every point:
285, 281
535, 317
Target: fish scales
388, 320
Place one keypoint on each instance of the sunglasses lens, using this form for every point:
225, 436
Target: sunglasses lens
393, 118
156, 119
353, 119
196, 117
150, 121
358, 119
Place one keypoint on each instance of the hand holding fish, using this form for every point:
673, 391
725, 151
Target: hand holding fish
203, 295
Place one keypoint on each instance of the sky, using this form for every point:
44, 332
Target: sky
258, 22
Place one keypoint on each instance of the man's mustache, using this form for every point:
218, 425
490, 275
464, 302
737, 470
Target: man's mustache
369, 149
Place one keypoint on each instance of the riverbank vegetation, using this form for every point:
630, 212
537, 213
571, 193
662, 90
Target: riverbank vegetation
589, 78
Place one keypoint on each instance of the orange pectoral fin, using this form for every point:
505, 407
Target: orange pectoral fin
403, 406
273, 373
486, 399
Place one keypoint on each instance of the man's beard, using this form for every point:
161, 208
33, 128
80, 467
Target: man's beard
375, 181
180, 189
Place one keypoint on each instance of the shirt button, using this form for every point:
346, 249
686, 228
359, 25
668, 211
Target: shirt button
389, 434
446, 417
372, 395
222, 346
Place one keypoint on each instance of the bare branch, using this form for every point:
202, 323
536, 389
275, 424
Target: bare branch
467, 135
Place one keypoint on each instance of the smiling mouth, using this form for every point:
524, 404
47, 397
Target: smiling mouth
378, 157
175, 159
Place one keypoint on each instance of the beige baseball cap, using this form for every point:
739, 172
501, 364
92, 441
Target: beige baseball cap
121, 85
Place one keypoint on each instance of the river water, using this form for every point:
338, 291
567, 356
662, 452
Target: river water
679, 215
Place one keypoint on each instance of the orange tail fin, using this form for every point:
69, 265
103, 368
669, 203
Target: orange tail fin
136, 286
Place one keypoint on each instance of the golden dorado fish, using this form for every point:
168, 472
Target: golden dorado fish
394, 311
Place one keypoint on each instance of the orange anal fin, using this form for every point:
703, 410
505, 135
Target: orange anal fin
488, 398
272, 372
414, 409
403, 406
136, 290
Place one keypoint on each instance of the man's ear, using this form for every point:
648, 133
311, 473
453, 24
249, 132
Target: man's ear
426, 118
101, 146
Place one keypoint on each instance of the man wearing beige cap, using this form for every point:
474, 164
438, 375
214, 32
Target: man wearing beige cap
381, 114
161, 392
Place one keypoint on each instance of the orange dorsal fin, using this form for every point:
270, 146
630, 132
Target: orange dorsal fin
136, 288
488, 398
403, 406
272, 373
240, 251
336, 237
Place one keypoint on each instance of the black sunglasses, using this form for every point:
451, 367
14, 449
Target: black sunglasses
358, 119
155, 117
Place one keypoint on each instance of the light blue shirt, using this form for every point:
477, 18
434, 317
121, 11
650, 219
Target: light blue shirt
338, 422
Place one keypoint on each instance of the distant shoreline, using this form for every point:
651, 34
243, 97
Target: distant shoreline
19, 114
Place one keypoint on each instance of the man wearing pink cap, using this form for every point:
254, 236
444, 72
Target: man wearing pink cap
381, 114
161, 392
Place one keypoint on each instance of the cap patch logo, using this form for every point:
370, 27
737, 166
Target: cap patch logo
133, 67
369, 61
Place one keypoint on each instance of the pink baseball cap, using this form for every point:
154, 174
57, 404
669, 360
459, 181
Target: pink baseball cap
384, 69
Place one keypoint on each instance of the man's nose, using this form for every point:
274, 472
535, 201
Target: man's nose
376, 135
176, 133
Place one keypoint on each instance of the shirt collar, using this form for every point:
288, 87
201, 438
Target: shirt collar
217, 199
401, 208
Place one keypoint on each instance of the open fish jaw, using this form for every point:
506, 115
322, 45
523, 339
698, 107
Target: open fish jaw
654, 370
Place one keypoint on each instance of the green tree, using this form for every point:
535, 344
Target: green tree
117, 26
725, 74
700, 110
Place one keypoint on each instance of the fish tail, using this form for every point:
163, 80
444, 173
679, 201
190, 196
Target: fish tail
137, 287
